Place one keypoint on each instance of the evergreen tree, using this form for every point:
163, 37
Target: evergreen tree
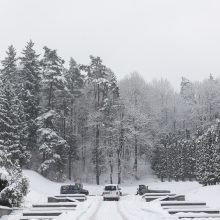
51, 141
207, 164
11, 110
52, 148
9, 70
53, 81
30, 93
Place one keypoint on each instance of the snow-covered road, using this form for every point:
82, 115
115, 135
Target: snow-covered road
108, 210
128, 208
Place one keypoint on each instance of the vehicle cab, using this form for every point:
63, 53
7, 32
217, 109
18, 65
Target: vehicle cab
142, 189
73, 189
111, 192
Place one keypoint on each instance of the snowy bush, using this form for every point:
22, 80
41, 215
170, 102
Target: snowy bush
16, 189
14, 186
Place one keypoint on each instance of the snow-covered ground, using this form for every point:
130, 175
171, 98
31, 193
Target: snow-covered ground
130, 207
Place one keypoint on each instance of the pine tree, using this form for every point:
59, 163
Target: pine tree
11, 110
52, 148
30, 94
53, 81
8, 72
51, 141
207, 163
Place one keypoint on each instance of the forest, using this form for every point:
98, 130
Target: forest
77, 121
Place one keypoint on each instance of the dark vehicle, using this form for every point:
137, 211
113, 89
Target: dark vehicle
73, 189
142, 189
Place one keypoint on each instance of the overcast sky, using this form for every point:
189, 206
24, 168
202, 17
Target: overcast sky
157, 38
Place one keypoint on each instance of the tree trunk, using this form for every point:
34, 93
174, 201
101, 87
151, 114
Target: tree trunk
135, 155
83, 154
119, 168
97, 155
70, 151
70, 167
119, 153
111, 172
50, 96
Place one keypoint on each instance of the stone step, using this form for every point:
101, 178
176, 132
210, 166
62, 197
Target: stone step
60, 199
42, 213
197, 210
192, 215
37, 218
70, 195
50, 205
165, 198
78, 197
181, 203
158, 194
184, 207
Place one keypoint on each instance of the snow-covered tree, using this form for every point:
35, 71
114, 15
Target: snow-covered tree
11, 110
30, 94
52, 148
13, 185
74, 84
53, 81
208, 151
102, 90
9, 70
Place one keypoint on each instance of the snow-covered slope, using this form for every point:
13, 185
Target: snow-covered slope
40, 187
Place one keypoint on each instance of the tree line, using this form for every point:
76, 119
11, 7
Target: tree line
192, 153
76, 121
66, 120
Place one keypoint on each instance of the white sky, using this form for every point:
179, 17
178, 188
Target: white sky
157, 38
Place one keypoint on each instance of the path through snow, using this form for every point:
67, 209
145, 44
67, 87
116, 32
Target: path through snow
128, 208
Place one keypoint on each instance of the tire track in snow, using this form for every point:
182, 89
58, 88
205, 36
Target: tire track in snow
94, 215
130, 213
108, 210
94, 204
131, 208
120, 212
84, 212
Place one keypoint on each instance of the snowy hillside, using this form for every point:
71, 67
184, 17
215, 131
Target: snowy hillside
41, 187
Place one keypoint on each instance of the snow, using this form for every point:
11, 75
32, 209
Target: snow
210, 194
40, 188
4, 175
46, 115
130, 206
